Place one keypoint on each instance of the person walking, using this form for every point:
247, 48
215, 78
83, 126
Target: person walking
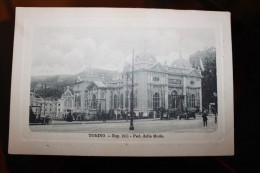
103, 116
205, 119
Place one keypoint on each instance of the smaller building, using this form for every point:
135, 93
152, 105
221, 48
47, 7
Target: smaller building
41, 106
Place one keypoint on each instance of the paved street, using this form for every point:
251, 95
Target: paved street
122, 126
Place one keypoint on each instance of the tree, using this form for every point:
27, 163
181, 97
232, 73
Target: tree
207, 59
54, 85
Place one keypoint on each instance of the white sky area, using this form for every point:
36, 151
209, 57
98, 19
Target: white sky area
71, 50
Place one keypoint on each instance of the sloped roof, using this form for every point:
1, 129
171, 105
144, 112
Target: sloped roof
68, 92
98, 84
78, 79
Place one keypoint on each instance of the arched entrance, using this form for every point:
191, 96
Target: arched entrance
175, 100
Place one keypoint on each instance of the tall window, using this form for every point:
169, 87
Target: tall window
163, 100
192, 100
77, 101
111, 99
174, 99
87, 103
94, 102
156, 101
115, 101
102, 95
126, 99
66, 103
121, 101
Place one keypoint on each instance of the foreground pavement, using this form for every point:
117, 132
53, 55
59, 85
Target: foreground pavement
122, 126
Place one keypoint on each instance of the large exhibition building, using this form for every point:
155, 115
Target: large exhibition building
155, 86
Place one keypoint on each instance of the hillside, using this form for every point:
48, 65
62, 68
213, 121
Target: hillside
55, 85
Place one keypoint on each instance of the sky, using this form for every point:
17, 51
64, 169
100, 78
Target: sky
70, 50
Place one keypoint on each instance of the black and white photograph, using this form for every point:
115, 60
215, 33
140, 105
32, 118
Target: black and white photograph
101, 79
124, 78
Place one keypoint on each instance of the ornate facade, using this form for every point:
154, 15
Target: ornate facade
155, 85
66, 103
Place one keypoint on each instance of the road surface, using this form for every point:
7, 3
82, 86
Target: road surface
122, 126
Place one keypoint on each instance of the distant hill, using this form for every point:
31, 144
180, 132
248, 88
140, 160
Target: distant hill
55, 85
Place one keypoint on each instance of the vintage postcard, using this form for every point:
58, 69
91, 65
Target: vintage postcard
121, 82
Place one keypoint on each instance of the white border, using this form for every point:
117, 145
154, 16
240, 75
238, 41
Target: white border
23, 141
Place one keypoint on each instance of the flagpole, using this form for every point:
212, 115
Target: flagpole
132, 97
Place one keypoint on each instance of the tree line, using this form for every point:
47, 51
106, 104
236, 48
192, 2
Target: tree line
205, 60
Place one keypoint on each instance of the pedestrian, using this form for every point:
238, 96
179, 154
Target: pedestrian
205, 119
103, 116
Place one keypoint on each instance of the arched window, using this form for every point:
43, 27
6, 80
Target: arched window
174, 93
121, 101
94, 102
115, 101
156, 101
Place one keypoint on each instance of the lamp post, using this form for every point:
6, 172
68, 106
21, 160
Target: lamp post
132, 98
216, 106
44, 100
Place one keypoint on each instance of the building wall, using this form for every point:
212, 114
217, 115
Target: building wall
146, 84
43, 107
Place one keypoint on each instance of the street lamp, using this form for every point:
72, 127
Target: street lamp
216, 106
132, 98
44, 88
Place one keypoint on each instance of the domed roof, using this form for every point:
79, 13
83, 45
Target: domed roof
181, 63
144, 60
